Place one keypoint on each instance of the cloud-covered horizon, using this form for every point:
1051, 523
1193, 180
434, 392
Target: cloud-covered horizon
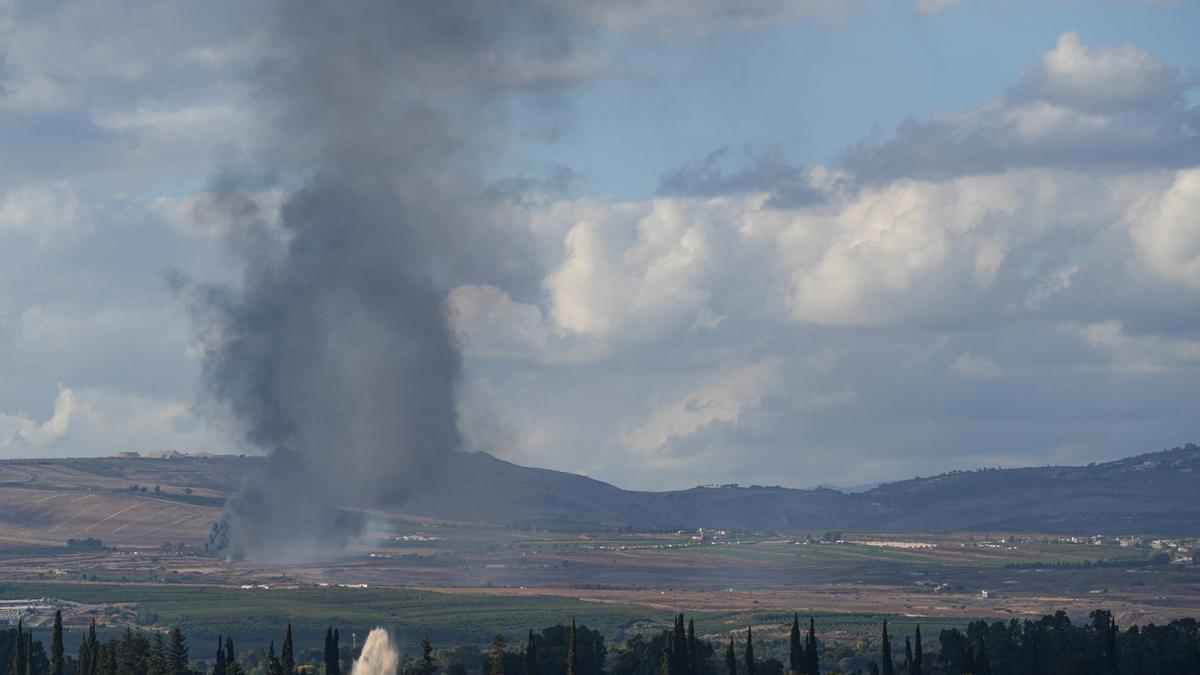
1014, 282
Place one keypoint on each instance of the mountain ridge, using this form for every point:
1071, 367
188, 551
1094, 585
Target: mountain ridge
1151, 493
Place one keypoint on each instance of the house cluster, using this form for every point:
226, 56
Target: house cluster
25, 610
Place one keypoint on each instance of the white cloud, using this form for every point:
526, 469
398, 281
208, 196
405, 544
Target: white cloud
1166, 230
974, 365
1100, 77
721, 401
19, 431
640, 271
40, 212
1143, 354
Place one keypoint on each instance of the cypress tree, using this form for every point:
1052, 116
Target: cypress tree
572, 653
273, 667
427, 666
810, 649
730, 660
531, 656
219, 664
56, 645
918, 664
669, 659
156, 661
918, 657
110, 659
885, 655
29, 652
872, 669
83, 660
93, 647
681, 647
691, 648
496, 658
749, 655
287, 658
17, 667
908, 655
795, 650
230, 657
1110, 646
329, 668
177, 656
337, 653
983, 663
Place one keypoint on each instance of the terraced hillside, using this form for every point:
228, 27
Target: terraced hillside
122, 502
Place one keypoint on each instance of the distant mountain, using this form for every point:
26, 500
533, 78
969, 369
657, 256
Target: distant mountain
1156, 493
1151, 493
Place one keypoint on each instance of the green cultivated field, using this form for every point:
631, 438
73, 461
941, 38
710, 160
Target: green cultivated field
256, 617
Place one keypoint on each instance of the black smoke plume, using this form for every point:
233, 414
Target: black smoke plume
333, 353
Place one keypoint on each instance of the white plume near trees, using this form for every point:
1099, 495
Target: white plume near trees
378, 656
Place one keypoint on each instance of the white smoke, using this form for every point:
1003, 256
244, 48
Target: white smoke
378, 656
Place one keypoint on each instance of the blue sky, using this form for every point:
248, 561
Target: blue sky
782, 241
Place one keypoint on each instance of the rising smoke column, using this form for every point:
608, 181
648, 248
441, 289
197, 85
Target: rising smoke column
333, 353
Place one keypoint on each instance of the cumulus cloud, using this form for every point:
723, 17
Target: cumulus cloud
1100, 78
18, 431
1081, 107
721, 401
1144, 354
1166, 230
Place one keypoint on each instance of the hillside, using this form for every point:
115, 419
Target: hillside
146, 501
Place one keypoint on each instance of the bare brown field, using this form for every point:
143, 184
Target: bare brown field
50, 516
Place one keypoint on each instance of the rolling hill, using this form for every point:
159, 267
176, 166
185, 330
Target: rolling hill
144, 501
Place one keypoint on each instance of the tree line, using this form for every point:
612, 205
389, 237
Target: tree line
1052, 645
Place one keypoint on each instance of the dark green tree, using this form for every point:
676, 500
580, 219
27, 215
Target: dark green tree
56, 646
983, 662
573, 651
156, 660
177, 654
83, 662
796, 665
748, 656
287, 657
811, 657
918, 663
496, 657
219, 662
271, 663
531, 666
554, 643
730, 660
908, 655
17, 665
885, 653
692, 653
427, 664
